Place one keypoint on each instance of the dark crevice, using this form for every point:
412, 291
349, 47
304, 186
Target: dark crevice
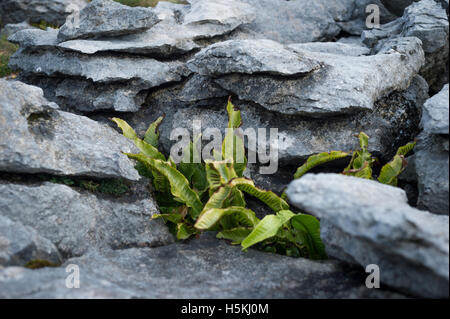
104, 188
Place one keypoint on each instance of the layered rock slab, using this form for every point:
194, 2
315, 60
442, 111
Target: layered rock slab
300, 137
431, 158
341, 84
76, 222
435, 116
428, 21
35, 11
20, 244
38, 138
107, 18
180, 28
211, 269
250, 57
101, 69
365, 222
431, 161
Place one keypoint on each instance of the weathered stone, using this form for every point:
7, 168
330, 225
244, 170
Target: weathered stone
87, 96
332, 48
199, 88
225, 15
250, 57
366, 222
99, 68
76, 222
210, 268
177, 33
432, 167
12, 28
38, 138
20, 244
107, 18
297, 21
435, 116
428, 21
356, 24
36, 39
53, 12
102, 82
342, 85
397, 6
49, 283
300, 137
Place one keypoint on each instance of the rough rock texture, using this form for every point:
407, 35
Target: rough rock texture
342, 85
397, 6
366, 222
107, 18
250, 57
428, 21
12, 28
435, 116
431, 161
38, 138
211, 269
76, 222
300, 137
177, 33
20, 244
332, 48
180, 29
431, 158
184, 60
51, 11
306, 21
102, 69
35, 38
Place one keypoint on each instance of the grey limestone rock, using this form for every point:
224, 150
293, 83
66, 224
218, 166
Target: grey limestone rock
366, 222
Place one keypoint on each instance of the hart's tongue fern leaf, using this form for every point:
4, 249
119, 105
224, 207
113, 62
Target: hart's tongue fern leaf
209, 195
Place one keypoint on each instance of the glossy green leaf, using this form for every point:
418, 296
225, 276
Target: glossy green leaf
179, 185
236, 235
317, 160
390, 172
209, 218
309, 231
404, 150
152, 135
267, 228
184, 231
269, 198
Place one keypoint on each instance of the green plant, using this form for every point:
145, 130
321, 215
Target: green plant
209, 196
361, 163
113, 187
146, 3
6, 50
43, 25
40, 263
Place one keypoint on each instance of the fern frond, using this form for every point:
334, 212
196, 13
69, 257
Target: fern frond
209, 218
267, 197
317, 160
179, 185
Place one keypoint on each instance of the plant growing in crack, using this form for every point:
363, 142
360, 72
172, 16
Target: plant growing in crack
361, 163
209, 196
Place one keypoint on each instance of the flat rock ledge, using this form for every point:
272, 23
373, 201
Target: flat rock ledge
211, 269
39, 138
365, 222
76, 222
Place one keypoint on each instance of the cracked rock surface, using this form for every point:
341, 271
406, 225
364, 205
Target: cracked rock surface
311, 69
